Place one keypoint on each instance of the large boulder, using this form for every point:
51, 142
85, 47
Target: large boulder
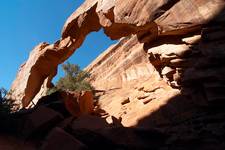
78, 103
40, 121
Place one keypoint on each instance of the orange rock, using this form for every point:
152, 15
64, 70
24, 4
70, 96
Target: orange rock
86, 102
71, 103
78, 103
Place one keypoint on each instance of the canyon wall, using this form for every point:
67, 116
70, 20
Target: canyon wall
184, 62
123, 63
187, 68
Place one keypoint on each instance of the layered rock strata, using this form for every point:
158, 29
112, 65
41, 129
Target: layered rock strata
122, 63
187, 74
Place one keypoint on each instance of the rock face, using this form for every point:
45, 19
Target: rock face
119, 19
122, 63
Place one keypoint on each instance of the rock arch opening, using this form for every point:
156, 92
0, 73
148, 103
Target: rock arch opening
94, 44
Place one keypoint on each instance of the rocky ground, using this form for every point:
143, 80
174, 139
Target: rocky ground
50, 126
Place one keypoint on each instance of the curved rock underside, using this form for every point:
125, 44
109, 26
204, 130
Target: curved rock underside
167, 29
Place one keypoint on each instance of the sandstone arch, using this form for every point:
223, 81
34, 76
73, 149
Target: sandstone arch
119, 18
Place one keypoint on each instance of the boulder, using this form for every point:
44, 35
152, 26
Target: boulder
71, 101
40, 121
55, 102
86, 102
78, 103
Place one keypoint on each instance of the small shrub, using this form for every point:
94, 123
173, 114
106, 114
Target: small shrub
3, 93
74, 79
5, 104
52, 90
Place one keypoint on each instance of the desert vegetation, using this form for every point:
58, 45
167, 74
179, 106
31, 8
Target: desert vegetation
5, 104
75, 79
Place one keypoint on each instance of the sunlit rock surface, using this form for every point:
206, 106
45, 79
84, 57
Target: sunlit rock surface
122, 63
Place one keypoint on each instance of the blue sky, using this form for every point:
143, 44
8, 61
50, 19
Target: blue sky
25, 23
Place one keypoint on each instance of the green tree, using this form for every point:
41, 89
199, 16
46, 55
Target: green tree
3, 93
74, 79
